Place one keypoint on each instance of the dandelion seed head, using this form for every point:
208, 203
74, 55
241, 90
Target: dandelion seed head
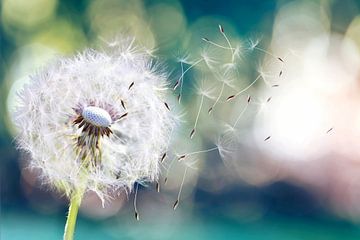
72, 120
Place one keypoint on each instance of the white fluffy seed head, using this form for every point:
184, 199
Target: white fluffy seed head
86, 129
96, 116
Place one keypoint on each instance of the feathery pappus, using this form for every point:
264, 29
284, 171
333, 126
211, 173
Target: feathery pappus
96, 121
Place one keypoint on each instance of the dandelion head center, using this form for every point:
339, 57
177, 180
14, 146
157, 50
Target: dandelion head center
94, 121
96, 116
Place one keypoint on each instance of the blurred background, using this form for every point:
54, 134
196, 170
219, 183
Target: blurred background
287, 168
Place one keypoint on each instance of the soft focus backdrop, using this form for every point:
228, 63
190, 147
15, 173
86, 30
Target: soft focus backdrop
289, 168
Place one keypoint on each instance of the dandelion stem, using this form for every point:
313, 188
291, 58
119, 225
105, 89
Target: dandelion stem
72, 216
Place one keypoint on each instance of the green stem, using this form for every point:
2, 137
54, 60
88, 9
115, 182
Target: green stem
72, 215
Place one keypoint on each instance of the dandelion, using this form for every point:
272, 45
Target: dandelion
96, 122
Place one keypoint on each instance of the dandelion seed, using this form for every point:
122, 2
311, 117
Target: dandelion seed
167, 106
230, 97
205, 39
329, 130
280, 73
192, 133
216, 44
275, 85
181, 157
181, 81
221, 29
268, 100
158, 187
228, 42
196, 152
254, 46
218, 97
176, 84
163, 157
131, 85
267, 138
122, 116
244, 89
123, 104
137, 216
176, 204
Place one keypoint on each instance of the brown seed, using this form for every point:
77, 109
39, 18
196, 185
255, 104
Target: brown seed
249, 99
330, 129
267, 138
230, 97
176, 85
275, 85
280, 73
158, 187
268, 100
221, 28
280, 59
122, 116
176, 204
137, 217
167, 106
192, 133
210, 110
163, 157
131, 85
123, 104
181, 157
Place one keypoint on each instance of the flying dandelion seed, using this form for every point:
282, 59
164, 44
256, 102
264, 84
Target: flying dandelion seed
329, 130
74, 124
267, 138
231, 97
136, 213
182, 157
176, 203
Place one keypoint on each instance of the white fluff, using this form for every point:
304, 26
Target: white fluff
95, 81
